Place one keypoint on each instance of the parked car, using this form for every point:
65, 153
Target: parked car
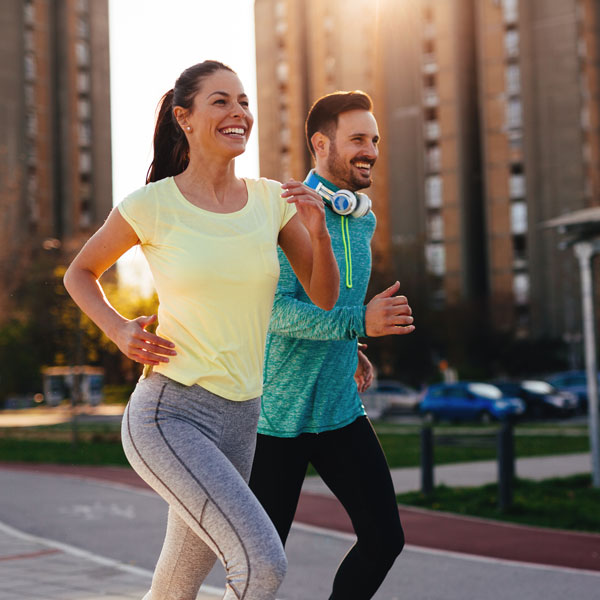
469, 401
389, 397
541, 398
572, 381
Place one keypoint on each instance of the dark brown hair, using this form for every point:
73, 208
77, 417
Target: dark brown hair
171, 151
323, 114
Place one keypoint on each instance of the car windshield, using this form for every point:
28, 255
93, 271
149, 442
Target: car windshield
537, 387
486, 390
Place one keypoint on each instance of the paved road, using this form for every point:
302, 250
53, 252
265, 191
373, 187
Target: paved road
127, 524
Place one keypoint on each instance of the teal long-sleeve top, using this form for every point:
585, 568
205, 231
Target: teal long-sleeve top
311, 354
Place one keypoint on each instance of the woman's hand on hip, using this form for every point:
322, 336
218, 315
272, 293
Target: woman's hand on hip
142, 346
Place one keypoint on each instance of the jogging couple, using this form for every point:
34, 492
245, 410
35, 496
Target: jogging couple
257, 282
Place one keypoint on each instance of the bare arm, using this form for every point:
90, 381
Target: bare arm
101, 251
307, 245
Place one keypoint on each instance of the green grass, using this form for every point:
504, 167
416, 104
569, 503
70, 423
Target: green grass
566, 503
62, 452
404, 450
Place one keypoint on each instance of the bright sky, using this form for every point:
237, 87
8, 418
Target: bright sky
151, 43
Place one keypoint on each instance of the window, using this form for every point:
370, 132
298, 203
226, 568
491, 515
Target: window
518, 218
432, 130
434, 158
329, 64
514, 114
511, 43
516, 185
282, 70
31, 155
83, 29
85, 134
83, 82
31, 124
285, 135
84, 108
513, 80
435, 258
433, 191
430, 97
521, 288
29, 40
32, 184
29, 12
29, 63
435, 227
85, 162
82, 52
585, 118
519, 252
29, 94
510, 9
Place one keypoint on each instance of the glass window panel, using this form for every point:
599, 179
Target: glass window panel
521, 288
435, 258
518, 218
514, 114
433, 191
510, 10
435, 225
511, 42
513, 79
517, 185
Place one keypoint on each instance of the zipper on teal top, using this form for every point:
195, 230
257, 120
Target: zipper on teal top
347, 250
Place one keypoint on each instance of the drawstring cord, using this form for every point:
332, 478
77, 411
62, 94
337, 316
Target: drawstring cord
347, 251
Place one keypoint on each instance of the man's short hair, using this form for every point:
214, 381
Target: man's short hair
323, 114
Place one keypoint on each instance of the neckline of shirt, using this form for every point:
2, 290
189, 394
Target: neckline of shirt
182, 199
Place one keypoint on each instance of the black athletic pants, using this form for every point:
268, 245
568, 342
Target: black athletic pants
351, 462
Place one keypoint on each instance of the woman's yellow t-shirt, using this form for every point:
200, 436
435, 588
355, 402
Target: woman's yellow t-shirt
215, 275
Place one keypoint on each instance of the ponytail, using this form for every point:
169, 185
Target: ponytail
171, 149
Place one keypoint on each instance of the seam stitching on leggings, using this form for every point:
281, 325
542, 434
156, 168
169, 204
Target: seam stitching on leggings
159, 479
209, 497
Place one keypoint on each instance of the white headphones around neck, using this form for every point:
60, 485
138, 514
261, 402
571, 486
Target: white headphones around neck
342, 202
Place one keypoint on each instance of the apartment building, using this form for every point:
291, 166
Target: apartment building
489, 115
55, 157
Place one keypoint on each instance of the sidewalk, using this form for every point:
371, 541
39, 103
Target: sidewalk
59, 572
476, 473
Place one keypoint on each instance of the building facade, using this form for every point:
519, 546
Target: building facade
55, 157
489, 115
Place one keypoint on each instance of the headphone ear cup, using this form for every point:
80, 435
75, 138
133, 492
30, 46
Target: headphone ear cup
363, 205
344, 202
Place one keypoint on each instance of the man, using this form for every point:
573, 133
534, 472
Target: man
311, 410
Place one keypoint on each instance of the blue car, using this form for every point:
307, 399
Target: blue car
469, 401
574, 382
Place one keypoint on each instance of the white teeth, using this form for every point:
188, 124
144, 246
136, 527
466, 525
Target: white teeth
363, 165
237, 130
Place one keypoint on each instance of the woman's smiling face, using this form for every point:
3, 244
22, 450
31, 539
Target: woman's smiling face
220, 118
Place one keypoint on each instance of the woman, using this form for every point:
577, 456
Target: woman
210, 239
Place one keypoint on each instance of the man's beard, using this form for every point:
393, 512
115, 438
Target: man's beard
343, 173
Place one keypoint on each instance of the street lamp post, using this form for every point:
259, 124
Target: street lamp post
581, 230
585, 250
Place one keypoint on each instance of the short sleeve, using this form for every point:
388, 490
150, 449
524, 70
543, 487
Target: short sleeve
289, 210
137, 210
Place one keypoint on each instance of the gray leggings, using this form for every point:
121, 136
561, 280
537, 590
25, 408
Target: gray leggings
195, 449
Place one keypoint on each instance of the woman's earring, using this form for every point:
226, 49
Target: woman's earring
188, 128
